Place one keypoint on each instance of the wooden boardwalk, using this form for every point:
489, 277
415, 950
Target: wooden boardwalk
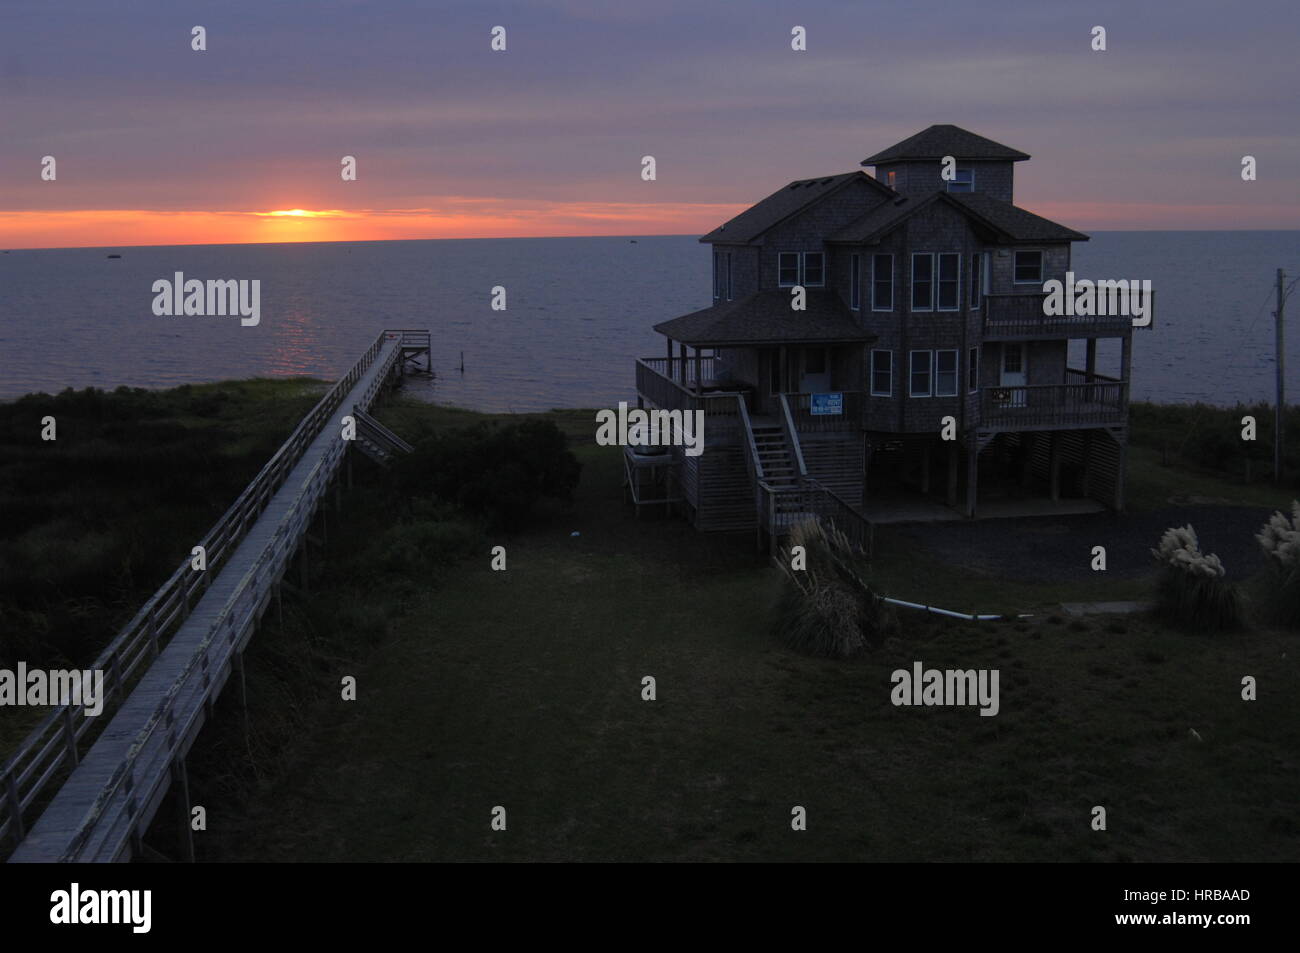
116, 787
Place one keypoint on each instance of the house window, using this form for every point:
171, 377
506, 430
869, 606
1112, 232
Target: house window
973, 370
964, 180
949, 281
923, 281
1029, 267
814, 269
920, 362
945, 373
882, 283
721, 275
893, 177
788, 268
882, 373
855, 282
976, 277
795, 268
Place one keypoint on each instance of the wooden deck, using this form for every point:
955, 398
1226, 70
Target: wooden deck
115, 788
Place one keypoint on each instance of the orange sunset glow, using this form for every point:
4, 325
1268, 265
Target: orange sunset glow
455, 218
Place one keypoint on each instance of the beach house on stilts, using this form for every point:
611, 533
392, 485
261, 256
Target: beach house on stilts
922, 366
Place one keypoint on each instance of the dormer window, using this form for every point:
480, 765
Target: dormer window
963, 181
801, 268
892, 176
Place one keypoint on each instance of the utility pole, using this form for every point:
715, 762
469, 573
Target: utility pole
1280, 408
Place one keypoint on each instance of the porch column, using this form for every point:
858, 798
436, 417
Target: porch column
972, 472
1125, 362
1091, 363
1054, 454
952, 473
1087, 462
681, 350
699, 378
669, 368
1027, 447
1119, 473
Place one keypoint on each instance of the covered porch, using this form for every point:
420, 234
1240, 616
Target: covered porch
761, 348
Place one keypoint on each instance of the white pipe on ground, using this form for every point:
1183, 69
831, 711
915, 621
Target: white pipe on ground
948, 612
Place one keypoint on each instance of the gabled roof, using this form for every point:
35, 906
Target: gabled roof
765, 317
945, 140
1020, 225
783, 203
1009, 222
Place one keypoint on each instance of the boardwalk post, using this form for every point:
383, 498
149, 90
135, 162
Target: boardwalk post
243, 687
181, 779
153, 631
70, 734
115, 670
15, 807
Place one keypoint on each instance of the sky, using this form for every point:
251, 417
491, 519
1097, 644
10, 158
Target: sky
155, 143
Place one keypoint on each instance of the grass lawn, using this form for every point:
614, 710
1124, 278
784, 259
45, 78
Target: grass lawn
523, 689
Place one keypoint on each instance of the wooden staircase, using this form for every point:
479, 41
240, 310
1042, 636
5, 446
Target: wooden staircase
376, 441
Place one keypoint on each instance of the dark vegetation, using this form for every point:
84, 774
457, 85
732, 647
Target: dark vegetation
91, 523
1209, 438
499, 471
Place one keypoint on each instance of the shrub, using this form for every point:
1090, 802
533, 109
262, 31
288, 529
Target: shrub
828, 610
1280, 540
499, 472
1191, 590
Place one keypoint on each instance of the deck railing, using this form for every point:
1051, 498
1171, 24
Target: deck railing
831, 508
1099, 404
1019, 315
55, 746
683, 372
658, 390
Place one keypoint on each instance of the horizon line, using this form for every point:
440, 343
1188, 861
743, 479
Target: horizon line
481, 238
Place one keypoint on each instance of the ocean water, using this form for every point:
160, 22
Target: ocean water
579, 312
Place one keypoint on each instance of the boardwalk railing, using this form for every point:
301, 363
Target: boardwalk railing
58, 743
